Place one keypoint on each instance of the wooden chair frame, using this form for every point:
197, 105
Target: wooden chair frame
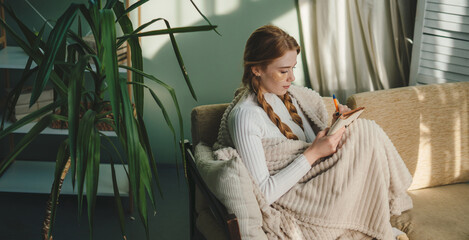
228, 221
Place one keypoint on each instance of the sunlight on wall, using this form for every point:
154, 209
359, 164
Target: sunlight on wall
178, 14
223, 7
183, 14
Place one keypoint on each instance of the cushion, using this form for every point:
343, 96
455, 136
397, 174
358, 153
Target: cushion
230, 182
438, 213
429, 127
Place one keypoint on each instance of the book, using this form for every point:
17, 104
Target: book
24, 108
345, 119
25, 96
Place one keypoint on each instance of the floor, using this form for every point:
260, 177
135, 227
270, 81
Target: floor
21, 215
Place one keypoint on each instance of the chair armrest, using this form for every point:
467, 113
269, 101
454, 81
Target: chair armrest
229, 221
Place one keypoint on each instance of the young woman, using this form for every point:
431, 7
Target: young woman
346, 185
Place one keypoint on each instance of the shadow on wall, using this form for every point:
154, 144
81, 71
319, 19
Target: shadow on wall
214, 64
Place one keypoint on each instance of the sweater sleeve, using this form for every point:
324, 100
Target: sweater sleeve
246, 127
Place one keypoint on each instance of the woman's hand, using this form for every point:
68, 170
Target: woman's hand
323, 145
342, 109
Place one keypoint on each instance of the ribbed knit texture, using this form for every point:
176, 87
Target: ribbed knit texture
248, 123
351, 193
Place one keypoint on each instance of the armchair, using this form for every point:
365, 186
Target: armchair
209, 218
205, 121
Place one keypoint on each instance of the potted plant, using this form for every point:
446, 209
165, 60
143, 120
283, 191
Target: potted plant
62, 61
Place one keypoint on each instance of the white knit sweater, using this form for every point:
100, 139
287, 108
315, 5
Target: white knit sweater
248, 124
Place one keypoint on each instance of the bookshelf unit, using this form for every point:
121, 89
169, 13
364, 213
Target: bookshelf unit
37, 176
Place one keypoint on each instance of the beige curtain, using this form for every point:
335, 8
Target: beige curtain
357, 45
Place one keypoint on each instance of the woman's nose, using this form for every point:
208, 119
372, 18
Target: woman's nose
291, 76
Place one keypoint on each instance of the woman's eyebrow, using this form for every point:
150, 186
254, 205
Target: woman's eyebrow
288, 66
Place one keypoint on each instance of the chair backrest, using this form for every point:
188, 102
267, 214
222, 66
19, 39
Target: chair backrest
205, 121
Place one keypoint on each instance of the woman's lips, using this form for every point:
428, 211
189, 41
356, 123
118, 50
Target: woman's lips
286, 87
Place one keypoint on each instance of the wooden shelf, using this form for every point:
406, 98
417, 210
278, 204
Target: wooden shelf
38, 176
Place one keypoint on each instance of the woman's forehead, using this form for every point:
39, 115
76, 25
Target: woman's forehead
287, 60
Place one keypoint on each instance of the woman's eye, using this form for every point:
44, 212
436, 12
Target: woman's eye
284, 72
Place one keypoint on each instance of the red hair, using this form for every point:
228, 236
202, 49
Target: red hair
266, 44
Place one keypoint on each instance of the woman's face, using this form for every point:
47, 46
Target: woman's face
278, 75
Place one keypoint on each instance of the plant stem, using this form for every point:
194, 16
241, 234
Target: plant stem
47, 219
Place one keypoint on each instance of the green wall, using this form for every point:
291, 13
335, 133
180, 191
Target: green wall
214, 62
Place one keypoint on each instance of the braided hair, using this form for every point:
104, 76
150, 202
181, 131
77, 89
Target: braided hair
263, 46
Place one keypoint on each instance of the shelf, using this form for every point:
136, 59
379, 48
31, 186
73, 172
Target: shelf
38, 176
14, 58
49, 131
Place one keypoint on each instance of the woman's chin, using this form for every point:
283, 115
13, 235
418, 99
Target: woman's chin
282, 92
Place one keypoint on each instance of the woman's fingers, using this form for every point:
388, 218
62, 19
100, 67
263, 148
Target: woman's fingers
322, 133
336, 137
343, 108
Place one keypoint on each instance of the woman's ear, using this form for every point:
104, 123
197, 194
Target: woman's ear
256, 71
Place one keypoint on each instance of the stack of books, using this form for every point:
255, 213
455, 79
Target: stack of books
22, 108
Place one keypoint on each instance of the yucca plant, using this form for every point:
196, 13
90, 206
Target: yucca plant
62, 62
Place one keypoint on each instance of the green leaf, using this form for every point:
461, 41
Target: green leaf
180, 61
145, 136
74, 98
136, 56
27, 49
143, 26
173, 96
92, 175
137, 159
84, 153
13, 96
120, 209
75, 37
54, 42
32, 116
117, 152
110, 63
25, 141
130, 9
59, 87
110, 4
167, 31
30, 36
89, 19
146, 140
175, 49
80, 33
206, 19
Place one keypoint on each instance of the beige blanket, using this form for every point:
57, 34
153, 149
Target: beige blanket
350, 195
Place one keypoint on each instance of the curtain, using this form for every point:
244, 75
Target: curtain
357, 45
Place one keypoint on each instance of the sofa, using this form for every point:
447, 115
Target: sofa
429, 125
